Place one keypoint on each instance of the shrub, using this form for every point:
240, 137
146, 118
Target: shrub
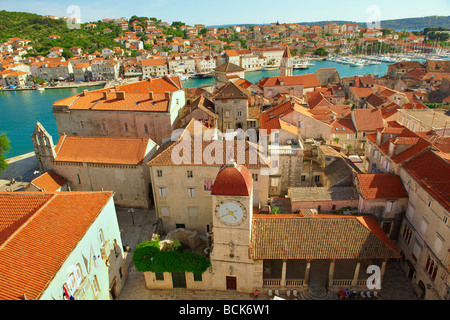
148, 257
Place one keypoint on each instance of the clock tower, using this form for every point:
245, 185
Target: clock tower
232, 201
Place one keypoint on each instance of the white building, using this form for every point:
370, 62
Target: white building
80, 260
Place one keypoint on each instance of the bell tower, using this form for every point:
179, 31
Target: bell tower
286, 66
232, 201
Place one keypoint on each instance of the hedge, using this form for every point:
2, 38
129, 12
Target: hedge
148, 257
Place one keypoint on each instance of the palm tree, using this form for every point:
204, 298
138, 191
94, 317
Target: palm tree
348, 147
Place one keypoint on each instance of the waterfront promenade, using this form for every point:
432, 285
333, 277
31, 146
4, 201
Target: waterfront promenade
23, 169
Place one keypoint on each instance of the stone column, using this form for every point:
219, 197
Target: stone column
355, 277
283, 274
308, 269
331, 273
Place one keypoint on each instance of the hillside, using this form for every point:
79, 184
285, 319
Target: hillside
36, 28
397, 24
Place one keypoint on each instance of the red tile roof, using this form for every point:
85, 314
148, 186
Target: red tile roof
136, 97
49, 182
307, 80
129, 151
367, 119
381, 186
319, 237
343, 126
268, 120
433, 174
46, 229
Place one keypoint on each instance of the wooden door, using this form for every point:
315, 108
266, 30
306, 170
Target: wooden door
231, 283
178, 280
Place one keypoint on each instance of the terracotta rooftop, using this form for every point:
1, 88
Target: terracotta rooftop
307, 80
49, 182
106, 150
381, 186
319, 237
40, 232
433, 174
128, 97
367, 119
207, 150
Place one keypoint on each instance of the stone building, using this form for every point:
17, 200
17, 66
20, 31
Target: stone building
99, 163
315, 256
182, 183
424, 236
231, 106
146, 109
227, 72
383, 196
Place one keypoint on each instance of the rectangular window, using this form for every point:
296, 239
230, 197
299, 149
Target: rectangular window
255, 177
303, 178
159, 173
95, 285
162, 192
103, 126
274, 182
198, 277
79, 179
390, 206
159, 276
190, 174
387, 227
406, 234
125, 127
316, 178
192, 192
145, 128
82, 125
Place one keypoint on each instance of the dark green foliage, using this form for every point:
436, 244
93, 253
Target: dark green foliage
148, 257
4, 148
35, 28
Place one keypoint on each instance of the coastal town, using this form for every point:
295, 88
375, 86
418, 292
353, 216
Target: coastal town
313, 186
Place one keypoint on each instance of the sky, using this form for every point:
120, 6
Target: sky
215, 12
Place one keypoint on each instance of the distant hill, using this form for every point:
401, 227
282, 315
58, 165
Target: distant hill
396, 24
37, 29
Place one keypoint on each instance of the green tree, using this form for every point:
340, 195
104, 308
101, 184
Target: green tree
4, 148
321, 52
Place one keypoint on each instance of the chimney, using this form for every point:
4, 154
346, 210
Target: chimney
151, 97
105, 95
120, 95
85, 92
167, 95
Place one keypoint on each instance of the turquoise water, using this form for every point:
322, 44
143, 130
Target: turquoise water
344, 71
20, 110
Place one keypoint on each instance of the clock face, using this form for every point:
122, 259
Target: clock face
230, 212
